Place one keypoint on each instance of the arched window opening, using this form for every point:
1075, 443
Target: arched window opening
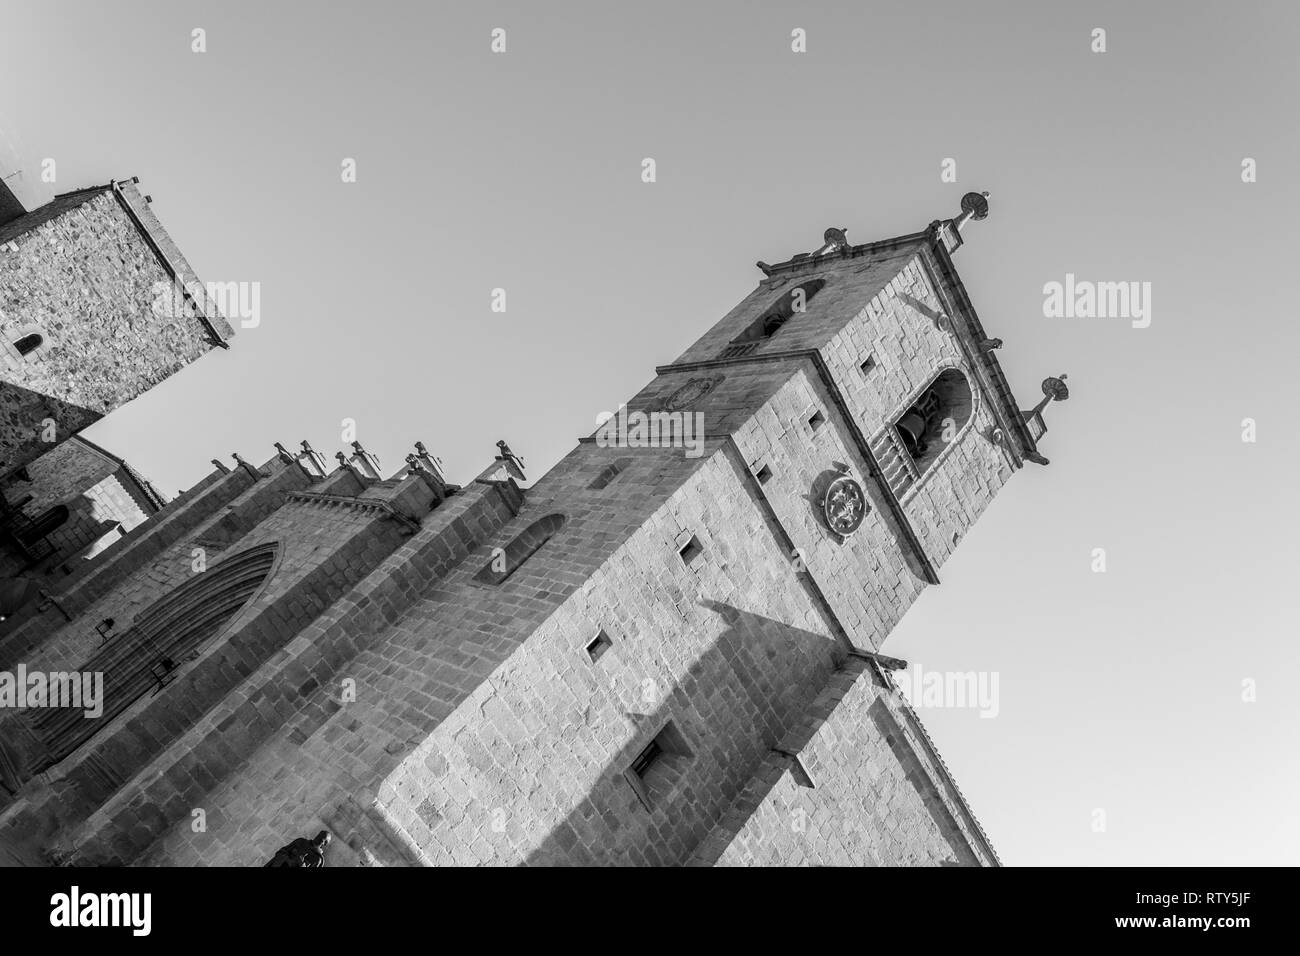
29, 343
167, 632
506, 561
608, 474
793, 302
914, 441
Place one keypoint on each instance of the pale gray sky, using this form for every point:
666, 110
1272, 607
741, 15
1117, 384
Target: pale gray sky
1119, 691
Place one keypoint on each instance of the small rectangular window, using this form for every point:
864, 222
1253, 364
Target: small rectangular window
657, 773
646, 759
868, 364
816, 420
598, 646
691, 550
763, 475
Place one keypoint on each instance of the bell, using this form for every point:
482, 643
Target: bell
911, 428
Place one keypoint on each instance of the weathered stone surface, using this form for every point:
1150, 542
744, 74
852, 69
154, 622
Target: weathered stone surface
382, 686
86, 279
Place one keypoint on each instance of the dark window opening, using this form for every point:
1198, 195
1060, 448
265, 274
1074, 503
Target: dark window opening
691, 550
29, 344
43, 524
763, 475
776, 315
868, 364
608, 474
816, 420
934, 419
598, 646
659, 768
646, 759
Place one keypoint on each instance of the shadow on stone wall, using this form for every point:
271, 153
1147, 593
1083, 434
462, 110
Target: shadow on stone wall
22, 414
761, 675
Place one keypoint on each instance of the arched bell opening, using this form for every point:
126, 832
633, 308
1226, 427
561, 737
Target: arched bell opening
935, 419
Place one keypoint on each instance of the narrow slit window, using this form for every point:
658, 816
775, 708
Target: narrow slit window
608, 474
691, 550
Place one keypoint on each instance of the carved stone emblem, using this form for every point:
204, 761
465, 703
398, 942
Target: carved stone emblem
691, 392
845, 506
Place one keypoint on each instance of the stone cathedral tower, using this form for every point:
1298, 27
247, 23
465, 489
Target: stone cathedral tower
664, 651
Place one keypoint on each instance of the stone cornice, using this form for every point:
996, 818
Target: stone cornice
363, 505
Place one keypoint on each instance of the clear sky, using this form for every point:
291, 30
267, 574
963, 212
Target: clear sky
1119, 691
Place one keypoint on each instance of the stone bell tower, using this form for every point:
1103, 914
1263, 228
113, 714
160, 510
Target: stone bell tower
666, 650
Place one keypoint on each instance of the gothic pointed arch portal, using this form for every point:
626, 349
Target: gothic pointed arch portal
173, 628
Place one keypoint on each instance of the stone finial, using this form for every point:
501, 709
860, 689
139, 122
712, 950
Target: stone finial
988, 345
973, 206
284, 454
432, 462
1054, 390
251, 469
833, 240
426, 468
311, 461
513, 462
364, 461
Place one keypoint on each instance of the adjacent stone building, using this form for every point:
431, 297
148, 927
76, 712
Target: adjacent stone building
666, 650
97, 305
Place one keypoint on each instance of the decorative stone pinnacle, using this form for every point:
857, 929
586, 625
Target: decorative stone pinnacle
365, 462
251, 469
833, 240
1055, 389
988, 345
973, 206
311, 461
513, 461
